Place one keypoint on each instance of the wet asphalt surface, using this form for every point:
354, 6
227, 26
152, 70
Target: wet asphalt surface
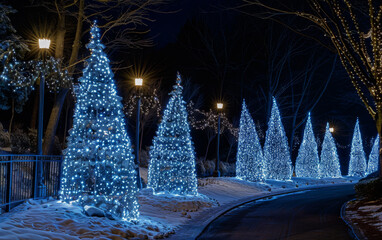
309, 215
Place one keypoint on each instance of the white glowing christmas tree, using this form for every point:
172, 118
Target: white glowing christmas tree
330, 163
307, 160
98, 169
250, 160
372, 165
172, 156
357, 164
278, 164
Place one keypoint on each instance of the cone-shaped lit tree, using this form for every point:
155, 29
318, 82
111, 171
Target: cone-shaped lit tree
278, 164
372, 165
330, 163
250, 161
98, 169
172, 156
357, 164
307, 160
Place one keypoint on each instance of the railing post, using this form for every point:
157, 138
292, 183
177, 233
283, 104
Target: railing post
35, 178
9, 185
41, 185
59, 175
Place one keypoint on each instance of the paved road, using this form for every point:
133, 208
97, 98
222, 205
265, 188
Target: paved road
310, 215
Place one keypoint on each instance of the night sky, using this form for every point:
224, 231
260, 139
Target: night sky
244, 47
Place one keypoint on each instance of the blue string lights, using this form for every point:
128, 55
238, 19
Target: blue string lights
278, 163
250, 160
172, 156
357, 164
372, 165
98, 168
330, 164
307, 160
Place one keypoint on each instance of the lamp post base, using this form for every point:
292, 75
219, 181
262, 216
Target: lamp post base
41, 190
216, 174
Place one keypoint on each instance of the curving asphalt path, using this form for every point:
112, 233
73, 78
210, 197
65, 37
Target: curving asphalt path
308, 215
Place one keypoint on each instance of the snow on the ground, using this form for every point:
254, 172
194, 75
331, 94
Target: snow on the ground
228, 189
160, 214
41, 219
367, 216
172, 210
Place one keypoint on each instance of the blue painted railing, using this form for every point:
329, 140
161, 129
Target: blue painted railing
21, 178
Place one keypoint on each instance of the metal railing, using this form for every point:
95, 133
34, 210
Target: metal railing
21, 178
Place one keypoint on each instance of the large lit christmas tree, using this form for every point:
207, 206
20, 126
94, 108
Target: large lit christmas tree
330, 163
372, 165
98, 169
357, 163
278, 164
249, 159
172, 156
307, 160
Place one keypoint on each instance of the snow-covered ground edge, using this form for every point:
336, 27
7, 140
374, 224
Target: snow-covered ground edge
161, 215
365, 217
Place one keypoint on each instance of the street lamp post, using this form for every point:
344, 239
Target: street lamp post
217, 171
331, 129
138, 85
44, 45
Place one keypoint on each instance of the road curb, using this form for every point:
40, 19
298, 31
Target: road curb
195, 227
356, 231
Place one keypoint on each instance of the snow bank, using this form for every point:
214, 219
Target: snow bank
227, 189
172, 210
55, 220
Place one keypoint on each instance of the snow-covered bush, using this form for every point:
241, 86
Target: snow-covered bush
32, 135
200, 169
5, 140
209, 166
227, 169
20, 142
206, 168
144, 157
369, 188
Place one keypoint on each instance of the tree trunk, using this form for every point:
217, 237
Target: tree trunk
60, 31
379, 129
208, 146
66, 118
229, 152
12, 116
77, 39
54, 118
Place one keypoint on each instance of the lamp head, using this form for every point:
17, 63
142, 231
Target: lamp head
138, 82
44, 43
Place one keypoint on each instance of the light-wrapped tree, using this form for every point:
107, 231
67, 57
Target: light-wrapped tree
278, 164
372, 165
249, 159
330, 163
357, 163
98, 168
307, 160
172, 156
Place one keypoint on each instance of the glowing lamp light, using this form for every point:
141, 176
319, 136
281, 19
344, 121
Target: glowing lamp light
331, 129
44, 43
219, 105
138, 82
